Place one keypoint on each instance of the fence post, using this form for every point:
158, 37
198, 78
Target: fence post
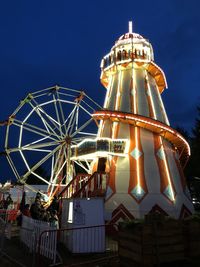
34, 249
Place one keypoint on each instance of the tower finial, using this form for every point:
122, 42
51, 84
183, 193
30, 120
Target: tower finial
130, 26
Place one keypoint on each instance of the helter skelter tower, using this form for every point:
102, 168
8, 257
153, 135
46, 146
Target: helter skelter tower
147, 176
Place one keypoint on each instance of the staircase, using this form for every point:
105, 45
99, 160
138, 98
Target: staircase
86, 186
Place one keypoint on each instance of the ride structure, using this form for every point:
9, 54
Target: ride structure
126, 151
148, 176
46, 135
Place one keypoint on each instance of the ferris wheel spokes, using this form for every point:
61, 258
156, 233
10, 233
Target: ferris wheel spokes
38, 164
48, 123
47, 119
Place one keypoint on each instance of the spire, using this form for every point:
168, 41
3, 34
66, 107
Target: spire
130, 27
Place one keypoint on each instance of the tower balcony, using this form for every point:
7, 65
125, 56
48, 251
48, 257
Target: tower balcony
124, 60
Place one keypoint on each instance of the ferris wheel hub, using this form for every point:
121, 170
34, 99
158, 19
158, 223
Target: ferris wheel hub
43, 131
68, 140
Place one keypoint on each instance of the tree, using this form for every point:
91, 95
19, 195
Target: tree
193, 169
186, 135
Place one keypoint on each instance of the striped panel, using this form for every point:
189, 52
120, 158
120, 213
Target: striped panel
133, 93
149, 99
108, 93
182, 176
119, 91
125, 92
137, 185
111, 188
142, 103
151, 170
156, 99
131, 96
106, 129
166, 184
113, 93
121, 213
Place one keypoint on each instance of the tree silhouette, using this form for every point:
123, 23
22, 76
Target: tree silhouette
193, 168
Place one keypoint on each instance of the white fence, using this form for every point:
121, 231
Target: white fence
85, 239
30, 235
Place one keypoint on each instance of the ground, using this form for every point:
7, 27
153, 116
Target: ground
15, 254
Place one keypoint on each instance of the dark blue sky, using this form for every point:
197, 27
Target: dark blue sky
62, 42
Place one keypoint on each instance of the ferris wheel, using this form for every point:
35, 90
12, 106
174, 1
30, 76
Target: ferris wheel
43, 129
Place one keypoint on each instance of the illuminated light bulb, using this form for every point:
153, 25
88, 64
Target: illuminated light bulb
147, 122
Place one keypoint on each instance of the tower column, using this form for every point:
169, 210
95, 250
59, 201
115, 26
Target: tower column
149, 174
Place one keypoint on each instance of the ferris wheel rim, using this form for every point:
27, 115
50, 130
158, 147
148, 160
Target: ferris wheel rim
53, 131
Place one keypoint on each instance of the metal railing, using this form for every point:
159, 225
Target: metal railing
30, 235
29, 240
86, 185
91, 239
74, 185
95, 186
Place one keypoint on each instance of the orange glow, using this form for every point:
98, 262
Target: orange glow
138, 167
155, 71
153, 125
167, 170
134, 92
150, 97
118, 91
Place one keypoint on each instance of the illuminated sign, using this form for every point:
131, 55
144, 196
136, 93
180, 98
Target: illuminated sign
118, 146
101, 146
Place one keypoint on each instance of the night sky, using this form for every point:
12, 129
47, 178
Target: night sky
44, 43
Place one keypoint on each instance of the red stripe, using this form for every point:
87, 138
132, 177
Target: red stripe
133, 164
161, 166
